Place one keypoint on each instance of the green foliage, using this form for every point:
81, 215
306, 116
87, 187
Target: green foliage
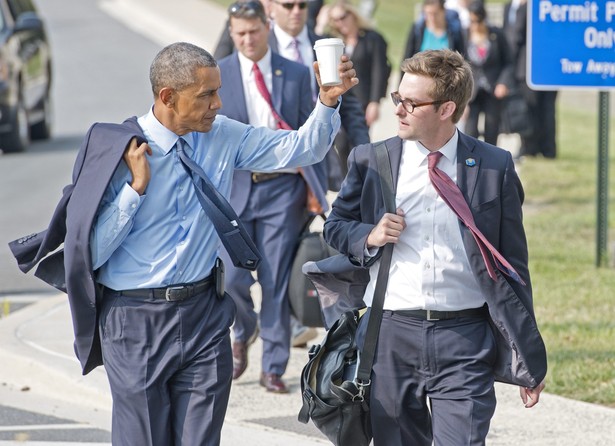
574, 300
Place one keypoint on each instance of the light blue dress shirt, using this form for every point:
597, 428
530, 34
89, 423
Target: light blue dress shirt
164, 237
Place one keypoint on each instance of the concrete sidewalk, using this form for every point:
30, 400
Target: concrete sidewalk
38, 371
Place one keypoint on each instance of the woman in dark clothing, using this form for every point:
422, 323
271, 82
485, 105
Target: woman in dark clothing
492, 68
368, 51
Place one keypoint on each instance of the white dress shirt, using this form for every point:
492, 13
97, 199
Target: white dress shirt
259, 112
286, 49
429, 268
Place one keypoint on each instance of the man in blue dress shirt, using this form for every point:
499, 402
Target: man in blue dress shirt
169, 363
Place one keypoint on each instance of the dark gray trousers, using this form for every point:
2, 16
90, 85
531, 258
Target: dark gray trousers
432, 381
169, 366
274, 217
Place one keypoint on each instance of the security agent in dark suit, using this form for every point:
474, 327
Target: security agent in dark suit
139, 249
290, 26
449, 329
272, 205
292, 22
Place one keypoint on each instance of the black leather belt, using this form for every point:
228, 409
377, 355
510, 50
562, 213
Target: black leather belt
259, 177
433, 315
173, 293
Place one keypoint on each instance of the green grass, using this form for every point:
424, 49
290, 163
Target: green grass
574, 300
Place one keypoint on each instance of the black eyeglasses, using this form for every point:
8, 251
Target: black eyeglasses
246, 7
291, 6
408, 105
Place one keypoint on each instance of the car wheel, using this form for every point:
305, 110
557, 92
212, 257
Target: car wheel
18, 138
42, 129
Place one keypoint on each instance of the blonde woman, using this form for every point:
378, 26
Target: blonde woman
368, 51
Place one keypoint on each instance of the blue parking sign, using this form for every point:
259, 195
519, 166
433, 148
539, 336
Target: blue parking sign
571, 44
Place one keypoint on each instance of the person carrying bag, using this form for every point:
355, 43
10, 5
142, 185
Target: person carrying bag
335, 383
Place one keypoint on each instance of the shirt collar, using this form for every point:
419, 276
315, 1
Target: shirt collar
416, 153
246, 65
284, 39
161, 136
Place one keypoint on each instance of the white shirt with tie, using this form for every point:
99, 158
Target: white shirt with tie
304, 45
430, 268
259, 112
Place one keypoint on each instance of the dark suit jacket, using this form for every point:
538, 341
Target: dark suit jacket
292, 98
70, 270
516, 35
498, 67
372, 67
495, 195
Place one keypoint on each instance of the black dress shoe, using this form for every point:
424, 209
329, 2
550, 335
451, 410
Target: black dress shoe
273, 383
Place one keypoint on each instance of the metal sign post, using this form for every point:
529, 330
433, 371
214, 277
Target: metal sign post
603, 181
571, 45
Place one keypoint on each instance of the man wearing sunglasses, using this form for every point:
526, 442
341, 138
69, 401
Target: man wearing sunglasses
292, 38
458, 312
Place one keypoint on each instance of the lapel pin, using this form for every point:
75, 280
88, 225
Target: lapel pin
278, 72
470, 162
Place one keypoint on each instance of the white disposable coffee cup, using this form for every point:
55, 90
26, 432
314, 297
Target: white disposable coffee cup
328, 55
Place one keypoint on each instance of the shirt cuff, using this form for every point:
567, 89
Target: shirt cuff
319, 104
370, 252
128, 200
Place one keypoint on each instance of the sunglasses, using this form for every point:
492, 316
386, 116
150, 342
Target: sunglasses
291, 6
248, 7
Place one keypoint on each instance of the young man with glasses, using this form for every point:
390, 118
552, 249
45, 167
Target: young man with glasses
262, 88
455, 319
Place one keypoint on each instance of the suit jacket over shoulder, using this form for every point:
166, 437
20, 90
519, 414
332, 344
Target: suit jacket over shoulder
70, 269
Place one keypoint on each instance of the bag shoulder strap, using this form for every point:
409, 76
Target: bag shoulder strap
375, 317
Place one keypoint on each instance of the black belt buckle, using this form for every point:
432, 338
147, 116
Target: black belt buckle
176, 293
260, 177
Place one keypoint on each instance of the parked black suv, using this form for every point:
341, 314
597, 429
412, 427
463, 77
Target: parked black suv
25, 76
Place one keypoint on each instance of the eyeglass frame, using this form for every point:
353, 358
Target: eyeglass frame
397, 99
289, 6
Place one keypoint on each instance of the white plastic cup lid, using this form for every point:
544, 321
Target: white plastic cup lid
328, 42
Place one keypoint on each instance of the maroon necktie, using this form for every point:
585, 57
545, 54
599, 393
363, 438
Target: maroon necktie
262, 89
312, 202
452, 196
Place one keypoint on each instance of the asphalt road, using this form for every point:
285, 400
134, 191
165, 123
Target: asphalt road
100, 73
